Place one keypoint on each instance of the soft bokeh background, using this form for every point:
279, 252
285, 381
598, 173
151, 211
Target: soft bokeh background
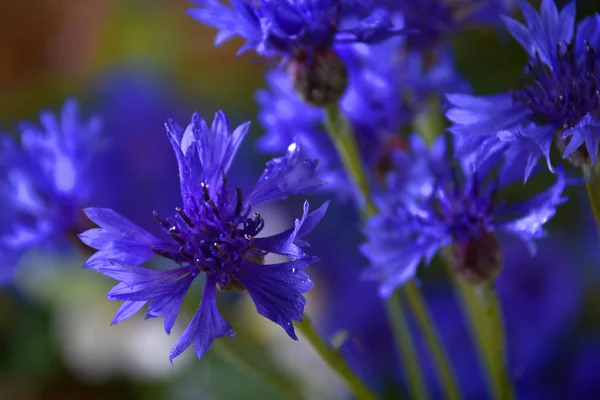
137, 62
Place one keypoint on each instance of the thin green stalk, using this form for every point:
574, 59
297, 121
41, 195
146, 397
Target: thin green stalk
334, 359
343, 139
482, 309
233, 358
436, 348
406, 346
592, 187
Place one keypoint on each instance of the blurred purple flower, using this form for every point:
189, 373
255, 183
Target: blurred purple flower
45, 181
289, 27
431, 204
214, 234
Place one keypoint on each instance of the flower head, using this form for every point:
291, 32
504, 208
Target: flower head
46, 179
290, 27
431, 204
213, 234
559, 95
303, 32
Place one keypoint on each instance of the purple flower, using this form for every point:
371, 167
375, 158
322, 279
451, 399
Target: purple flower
431, 204
559, 94
213, 234
290, 27
45, 181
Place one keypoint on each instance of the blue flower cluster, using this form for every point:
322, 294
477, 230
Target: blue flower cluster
382, 68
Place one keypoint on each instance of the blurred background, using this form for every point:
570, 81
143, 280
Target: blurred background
138, 62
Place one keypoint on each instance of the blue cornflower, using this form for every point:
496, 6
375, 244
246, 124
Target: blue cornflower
45, 181
303, 33
387, 89
559, 96
431, 204
212, 234
290, 27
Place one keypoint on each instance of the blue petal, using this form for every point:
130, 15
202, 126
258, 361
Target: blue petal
484, 116
204, 154
588, 30
277, 290
373, 29
206, 326
117, 238
544, 31
288, 241
128, 309
164, 289
532, 214
586, 131
285, 176
238, 20
400, 266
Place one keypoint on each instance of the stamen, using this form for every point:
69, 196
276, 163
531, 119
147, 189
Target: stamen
205, 192
214, 208
160, 252
184, 216
162, 222
238, 206
174, 234
185, 254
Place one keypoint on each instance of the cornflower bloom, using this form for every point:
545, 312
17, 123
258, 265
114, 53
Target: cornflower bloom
303, 33
431, 204
45, 181
213, 234
559, 97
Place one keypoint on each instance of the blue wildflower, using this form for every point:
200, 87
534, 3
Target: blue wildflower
290, 27
559, 96
430, 205
212, 234
45, 181
303, 33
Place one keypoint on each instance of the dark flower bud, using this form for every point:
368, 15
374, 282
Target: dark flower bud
479, 260
320, 78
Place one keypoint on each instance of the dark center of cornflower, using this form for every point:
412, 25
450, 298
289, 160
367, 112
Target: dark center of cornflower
214, 238
563, 95
467, 209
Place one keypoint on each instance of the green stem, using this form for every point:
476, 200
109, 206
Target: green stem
341, 135
481, 307
592, 187
334, 359
406, 347
438, 353
279, 386
343, 139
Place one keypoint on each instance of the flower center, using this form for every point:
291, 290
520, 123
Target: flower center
566, 93
467, 206
214, 239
